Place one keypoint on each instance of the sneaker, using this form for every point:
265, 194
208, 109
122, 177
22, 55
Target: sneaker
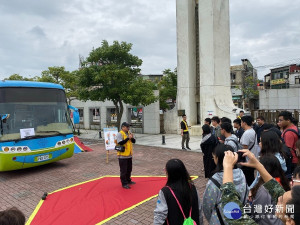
131, 182
126, 186
188, 148
184, 148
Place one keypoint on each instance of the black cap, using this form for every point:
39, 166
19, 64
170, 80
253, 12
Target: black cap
125, 124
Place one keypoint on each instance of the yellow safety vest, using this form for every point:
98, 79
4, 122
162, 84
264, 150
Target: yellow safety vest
128, 146
186, 126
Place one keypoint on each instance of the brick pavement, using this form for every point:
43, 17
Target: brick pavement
24, 188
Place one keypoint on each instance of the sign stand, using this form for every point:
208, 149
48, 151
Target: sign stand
110, 139
107, 155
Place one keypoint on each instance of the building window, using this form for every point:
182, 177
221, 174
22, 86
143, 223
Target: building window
233, 77
80, 111
297, 79
96, 115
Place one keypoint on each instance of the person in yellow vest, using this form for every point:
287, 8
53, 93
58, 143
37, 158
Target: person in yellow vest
184, 133
242, 113
125, 138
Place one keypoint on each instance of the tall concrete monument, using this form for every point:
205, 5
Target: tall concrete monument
203, 60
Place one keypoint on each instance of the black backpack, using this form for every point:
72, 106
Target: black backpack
288, 161
295, 132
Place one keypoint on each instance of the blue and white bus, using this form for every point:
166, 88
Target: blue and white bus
35, 124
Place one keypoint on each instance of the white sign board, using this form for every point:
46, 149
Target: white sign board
110, 137
210, 113
27, 132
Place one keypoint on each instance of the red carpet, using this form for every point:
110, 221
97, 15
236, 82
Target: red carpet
80, 147
95, 201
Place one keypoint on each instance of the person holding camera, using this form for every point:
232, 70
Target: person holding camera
125, 139
212, 194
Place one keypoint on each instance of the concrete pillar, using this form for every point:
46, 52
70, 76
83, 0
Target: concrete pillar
86, 117
186, 60
214, 57
103, 113
151, 118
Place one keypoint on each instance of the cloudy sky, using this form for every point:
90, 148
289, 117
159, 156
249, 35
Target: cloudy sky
37, 34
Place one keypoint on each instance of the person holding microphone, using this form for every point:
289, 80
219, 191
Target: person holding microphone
125, 138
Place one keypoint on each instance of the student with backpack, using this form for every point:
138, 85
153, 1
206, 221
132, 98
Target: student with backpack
285, 150
249, 141
212, 193
289, 134
230, 139
178, 202
270, 144
239, 130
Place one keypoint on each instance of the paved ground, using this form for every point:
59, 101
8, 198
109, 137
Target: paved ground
24, 188
171, 140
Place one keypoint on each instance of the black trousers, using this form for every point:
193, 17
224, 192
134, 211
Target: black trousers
186, 139
125, 170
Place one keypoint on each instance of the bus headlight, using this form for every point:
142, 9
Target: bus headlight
64, 142
13, 149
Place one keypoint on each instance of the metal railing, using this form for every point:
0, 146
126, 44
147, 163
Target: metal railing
271, 116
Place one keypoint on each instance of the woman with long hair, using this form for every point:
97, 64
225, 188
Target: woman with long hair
261, 197
271, 144
212, 193
208, 143
179, 183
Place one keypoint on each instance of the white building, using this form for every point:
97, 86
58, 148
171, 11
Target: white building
98, 115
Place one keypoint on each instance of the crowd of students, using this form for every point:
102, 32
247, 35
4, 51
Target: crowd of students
254, 167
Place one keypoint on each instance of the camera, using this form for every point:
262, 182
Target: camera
241, 158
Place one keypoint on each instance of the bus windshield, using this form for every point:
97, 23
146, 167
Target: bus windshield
43, 109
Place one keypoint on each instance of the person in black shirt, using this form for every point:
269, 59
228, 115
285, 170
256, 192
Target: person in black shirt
239, 130
208, 122
184, 133
260, 120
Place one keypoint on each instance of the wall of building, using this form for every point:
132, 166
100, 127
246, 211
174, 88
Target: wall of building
171, 121
279, 99
151, 120
294, 79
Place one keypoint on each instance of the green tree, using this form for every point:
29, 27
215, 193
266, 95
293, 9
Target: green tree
250, 87
111, 72
18, 77
60, 76
249, 90
167, 89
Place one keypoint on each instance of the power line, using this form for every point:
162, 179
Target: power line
281, 64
